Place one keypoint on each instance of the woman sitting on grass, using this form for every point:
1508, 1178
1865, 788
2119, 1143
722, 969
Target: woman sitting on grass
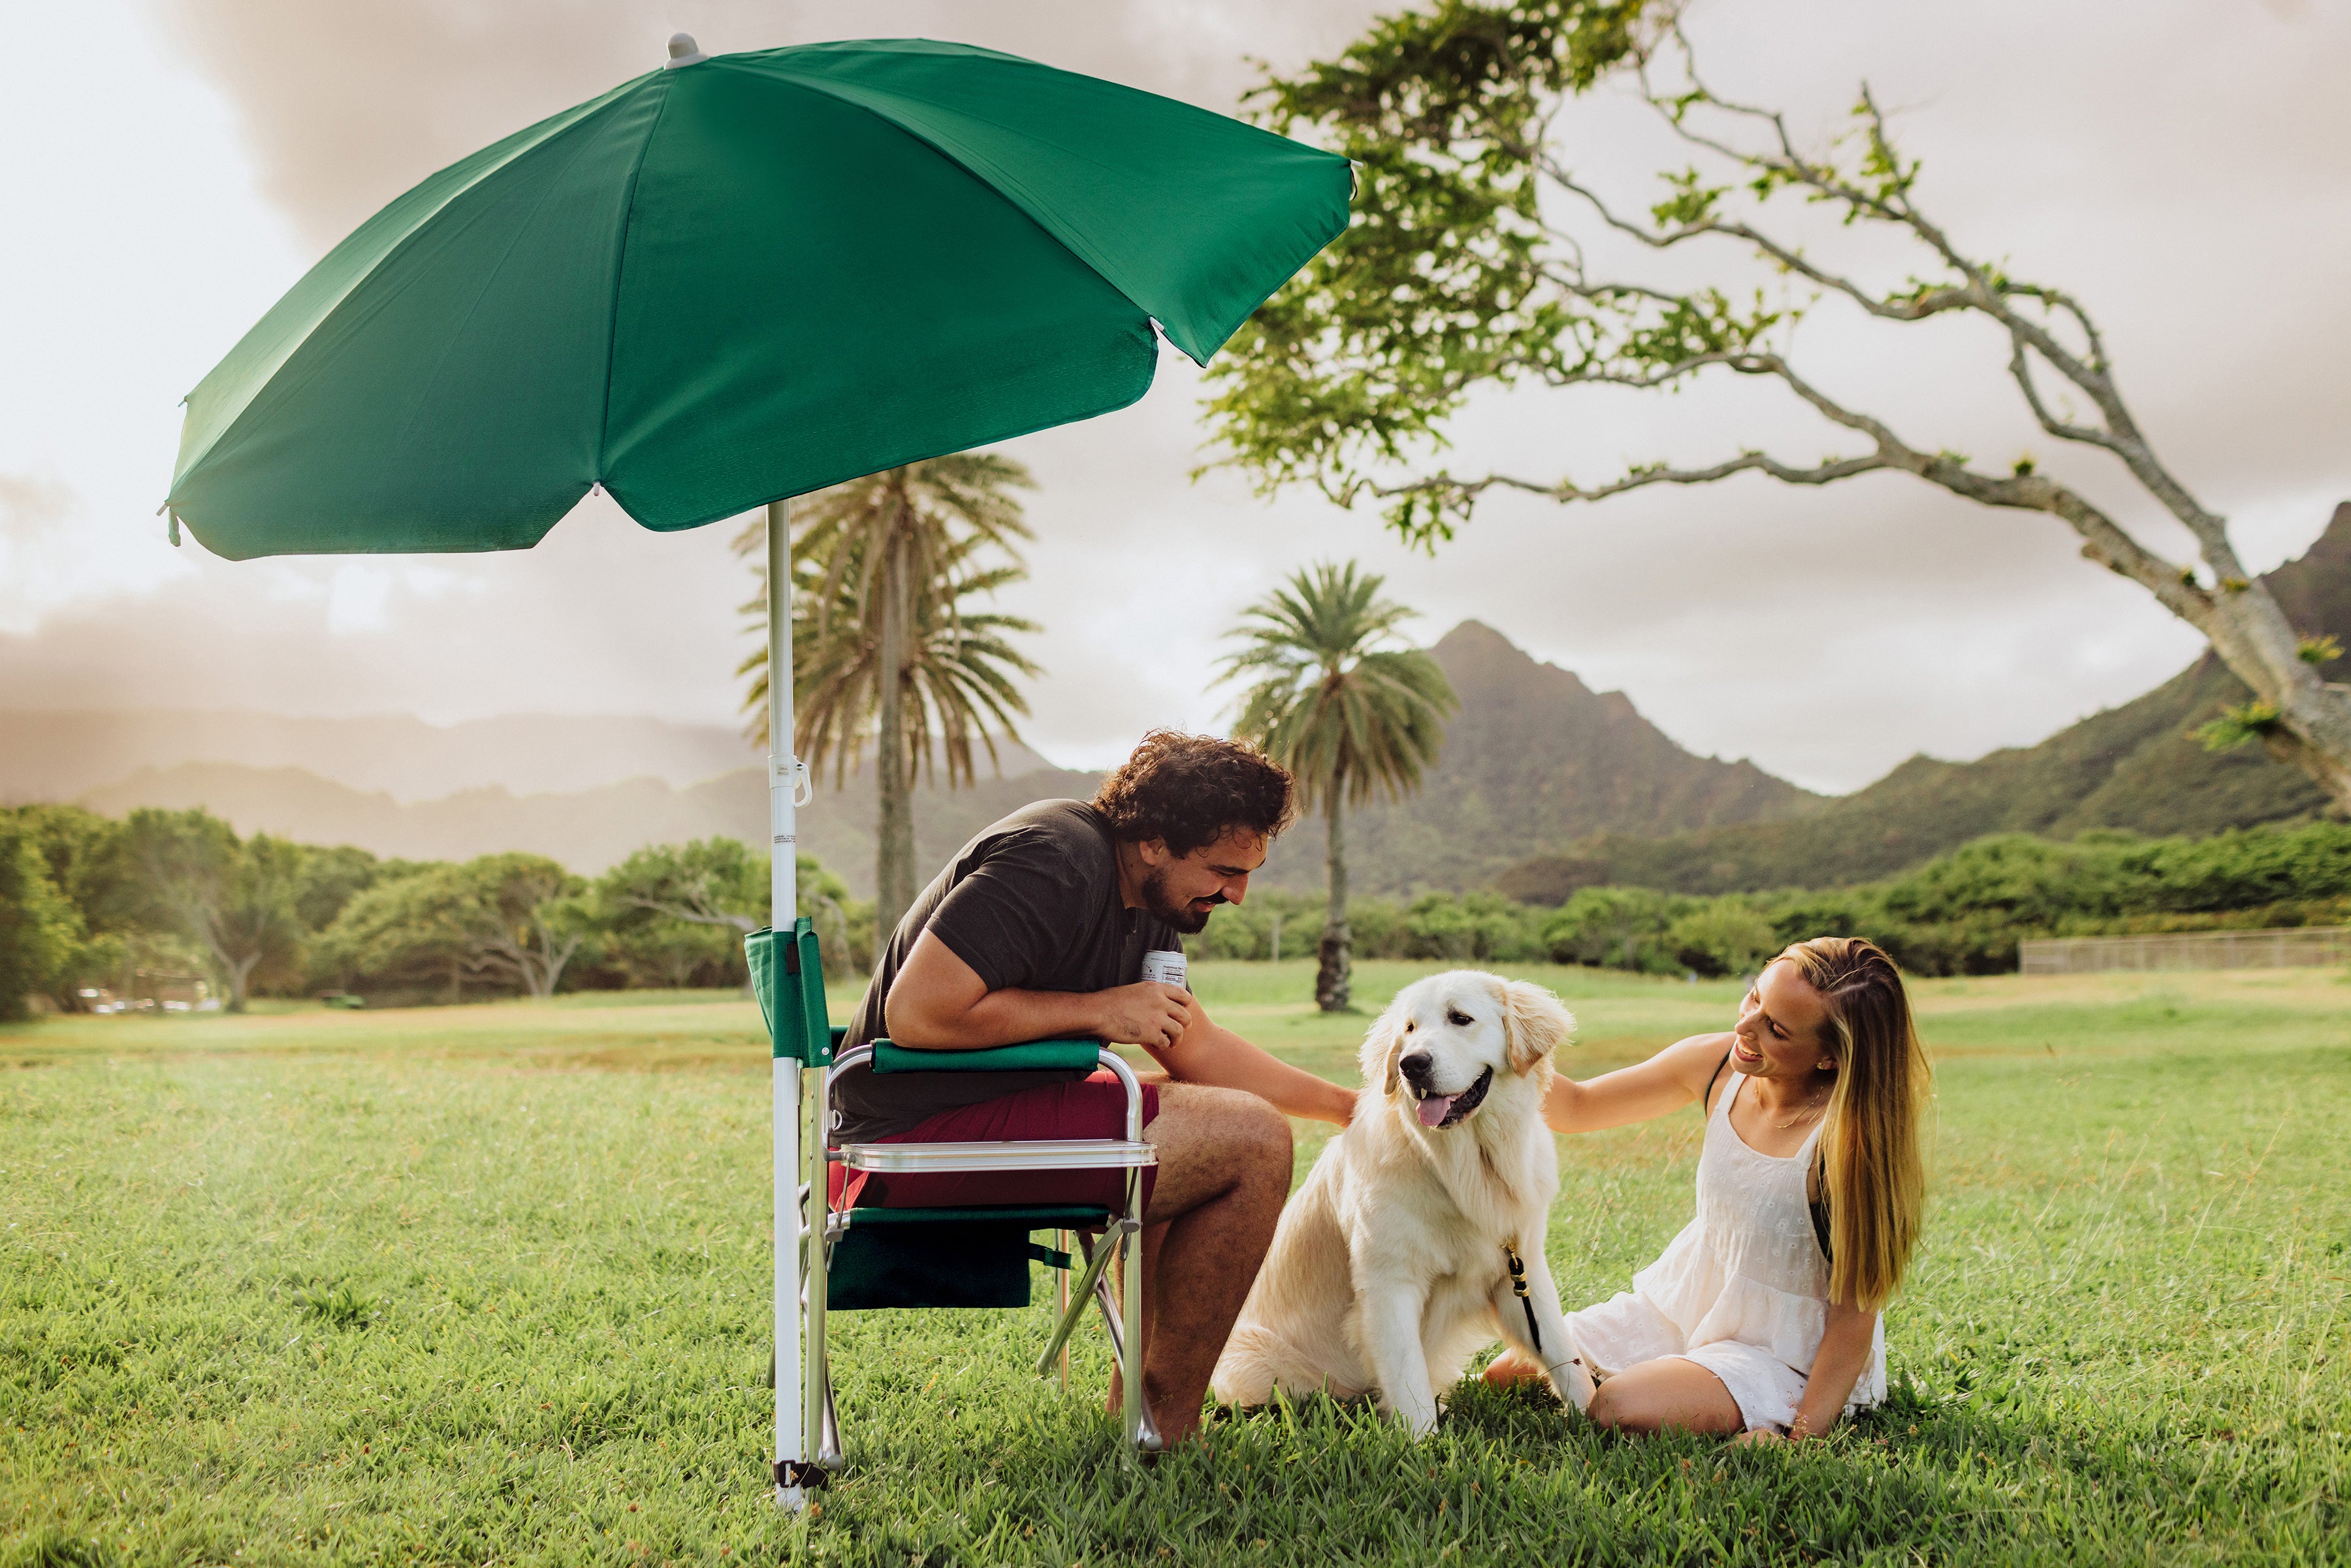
1763, 1316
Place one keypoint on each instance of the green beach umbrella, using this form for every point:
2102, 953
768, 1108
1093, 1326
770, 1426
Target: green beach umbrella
725, 283
740, 278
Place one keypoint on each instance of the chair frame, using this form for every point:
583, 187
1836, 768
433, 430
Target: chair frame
1122, 1233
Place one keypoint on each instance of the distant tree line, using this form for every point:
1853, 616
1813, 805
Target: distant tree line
86, 903
90, 905
1961, 914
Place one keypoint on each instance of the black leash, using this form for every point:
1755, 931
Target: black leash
1518, 1289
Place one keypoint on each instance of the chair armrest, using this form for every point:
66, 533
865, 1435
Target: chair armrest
1037, 1055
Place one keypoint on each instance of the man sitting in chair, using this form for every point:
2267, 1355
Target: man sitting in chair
1037, 930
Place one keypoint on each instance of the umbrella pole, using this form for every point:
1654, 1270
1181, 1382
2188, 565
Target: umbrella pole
783, 780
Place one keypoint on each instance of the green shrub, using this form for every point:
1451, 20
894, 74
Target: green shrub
1721, 937
1615, 927
1476, 928
1380, 929
1246, 930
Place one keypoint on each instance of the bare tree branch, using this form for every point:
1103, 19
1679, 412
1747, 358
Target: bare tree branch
2102, 540
698, 912
2021, 370
1984, 290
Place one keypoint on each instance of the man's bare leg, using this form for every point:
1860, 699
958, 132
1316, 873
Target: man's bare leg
1223, 1171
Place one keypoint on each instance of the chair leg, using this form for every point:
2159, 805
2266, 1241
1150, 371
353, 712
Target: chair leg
1123, 1325
818, 1416
1061, 1303
1088, 1288
828, 1451
1113, 1323
1140, 1429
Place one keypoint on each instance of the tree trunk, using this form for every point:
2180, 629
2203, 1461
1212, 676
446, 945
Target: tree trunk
1336, 954
894, 870
2250, 632
559, 956
538, 966
239, 971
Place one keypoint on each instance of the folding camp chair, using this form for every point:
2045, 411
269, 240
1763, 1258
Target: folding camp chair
969, 1257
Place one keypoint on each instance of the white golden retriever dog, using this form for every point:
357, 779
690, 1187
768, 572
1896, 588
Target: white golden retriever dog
1392, 1265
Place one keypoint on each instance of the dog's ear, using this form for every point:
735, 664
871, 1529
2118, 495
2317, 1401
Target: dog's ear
1536, 1023
1383, 1043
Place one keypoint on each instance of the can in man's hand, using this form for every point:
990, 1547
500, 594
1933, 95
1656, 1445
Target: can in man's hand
1165, 967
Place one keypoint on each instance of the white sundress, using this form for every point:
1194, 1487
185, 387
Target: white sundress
1742, 1290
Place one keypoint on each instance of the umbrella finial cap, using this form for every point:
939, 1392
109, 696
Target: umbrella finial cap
684, 51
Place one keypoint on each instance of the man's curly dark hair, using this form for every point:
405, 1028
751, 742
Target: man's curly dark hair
1187, 790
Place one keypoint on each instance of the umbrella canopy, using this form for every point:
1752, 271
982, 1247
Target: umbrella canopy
740, 278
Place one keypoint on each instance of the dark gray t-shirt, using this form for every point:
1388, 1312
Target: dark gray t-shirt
1031, 903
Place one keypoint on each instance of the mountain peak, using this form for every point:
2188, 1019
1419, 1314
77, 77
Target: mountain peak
1534, 756
1475, 652
1475, 634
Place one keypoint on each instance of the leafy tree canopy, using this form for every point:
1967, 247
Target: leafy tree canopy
509, 921
39, 926
1445, 278
234, 899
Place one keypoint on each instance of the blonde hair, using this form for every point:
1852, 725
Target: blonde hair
1875, 1178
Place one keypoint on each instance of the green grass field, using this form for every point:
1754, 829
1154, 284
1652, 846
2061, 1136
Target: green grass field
489, 1284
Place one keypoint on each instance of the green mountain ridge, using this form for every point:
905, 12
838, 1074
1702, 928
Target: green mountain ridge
1534, 756
2137, 768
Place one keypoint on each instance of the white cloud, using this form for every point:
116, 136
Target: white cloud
357, 596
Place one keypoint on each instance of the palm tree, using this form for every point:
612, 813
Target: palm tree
885, 654
1350, 718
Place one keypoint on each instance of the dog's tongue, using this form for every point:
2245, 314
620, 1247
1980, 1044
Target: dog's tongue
1432, 1108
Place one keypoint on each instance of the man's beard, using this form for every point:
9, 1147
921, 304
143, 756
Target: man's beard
1176, 913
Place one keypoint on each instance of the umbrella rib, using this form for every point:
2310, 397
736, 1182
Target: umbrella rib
876, 100
620, 272
514, 147
481, 286
1021, 200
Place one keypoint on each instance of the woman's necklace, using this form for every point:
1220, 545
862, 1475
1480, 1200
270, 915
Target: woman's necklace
1805, 1114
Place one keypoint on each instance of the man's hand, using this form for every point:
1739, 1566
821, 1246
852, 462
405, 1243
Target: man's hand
1148, 1013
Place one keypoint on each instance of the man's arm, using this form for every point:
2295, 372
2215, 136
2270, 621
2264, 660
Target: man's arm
1209, 1053
938, 1002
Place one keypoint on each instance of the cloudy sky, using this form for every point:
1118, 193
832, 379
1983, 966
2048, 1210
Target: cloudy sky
2177, 164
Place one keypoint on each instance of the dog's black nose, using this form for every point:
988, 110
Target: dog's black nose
1415, 1064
